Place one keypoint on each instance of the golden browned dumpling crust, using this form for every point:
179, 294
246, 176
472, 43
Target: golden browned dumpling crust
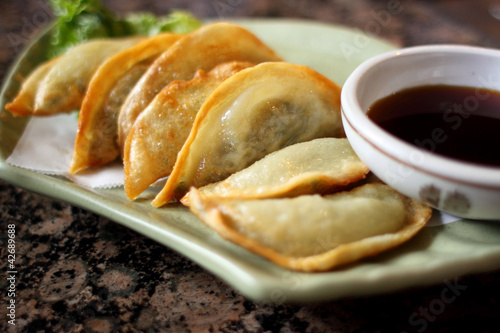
63, 86
23, 103
96, 140
253, 113
161, 129
318, 166
202, 49
315, 233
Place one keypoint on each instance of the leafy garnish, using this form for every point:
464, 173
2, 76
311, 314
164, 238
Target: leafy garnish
81, 20
149, 24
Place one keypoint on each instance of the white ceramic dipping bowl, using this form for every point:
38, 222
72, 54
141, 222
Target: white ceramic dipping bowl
459, 188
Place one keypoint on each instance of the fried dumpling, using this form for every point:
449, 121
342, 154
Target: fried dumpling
202, 49
315, 233
253, 113
317, 166
64, 85
96, 139
160, 131
23, 103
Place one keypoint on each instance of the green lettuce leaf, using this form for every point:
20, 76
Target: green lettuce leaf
149, 24
81, 20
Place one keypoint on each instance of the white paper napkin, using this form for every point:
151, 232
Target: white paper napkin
46, 146
439, 218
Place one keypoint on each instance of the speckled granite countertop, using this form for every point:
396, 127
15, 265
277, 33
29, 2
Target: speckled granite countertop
79, 272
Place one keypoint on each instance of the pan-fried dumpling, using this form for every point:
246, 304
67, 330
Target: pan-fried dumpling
318, 166
253, 113
96, 139
202, 49
23, 103
162, 128
64, 85
315, 233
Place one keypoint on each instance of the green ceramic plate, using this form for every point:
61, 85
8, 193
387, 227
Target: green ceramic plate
436, 254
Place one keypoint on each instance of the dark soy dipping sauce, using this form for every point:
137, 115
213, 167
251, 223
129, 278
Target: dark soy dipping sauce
459, 122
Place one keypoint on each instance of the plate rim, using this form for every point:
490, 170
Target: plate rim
253, 282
